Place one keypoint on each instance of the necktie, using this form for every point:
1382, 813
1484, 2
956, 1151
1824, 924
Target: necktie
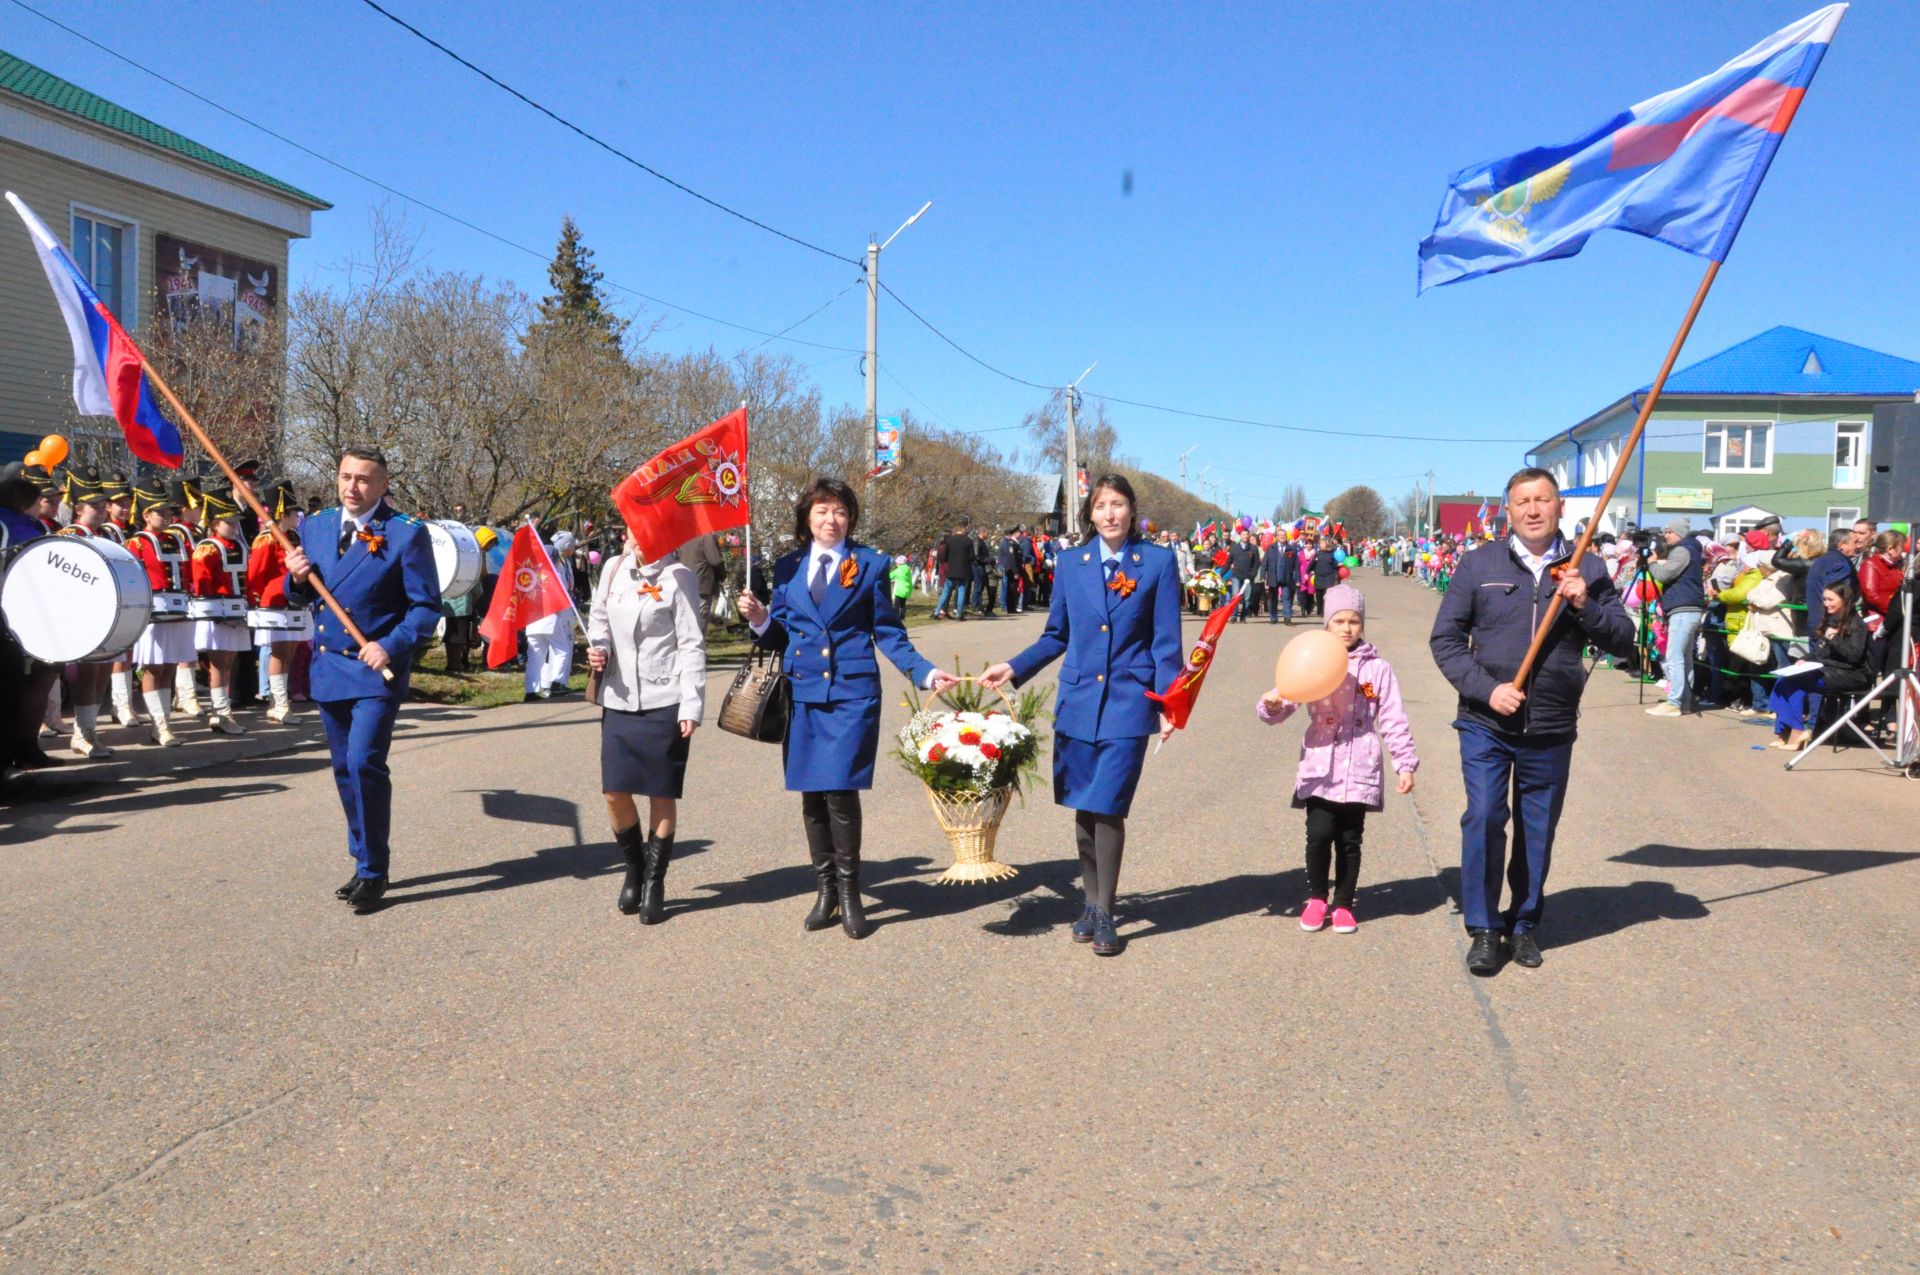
819, 586
1113, 565
347, 528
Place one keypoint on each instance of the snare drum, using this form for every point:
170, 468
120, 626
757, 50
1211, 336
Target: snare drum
169, 605
70, 598
456, 557
279, 624
216, 608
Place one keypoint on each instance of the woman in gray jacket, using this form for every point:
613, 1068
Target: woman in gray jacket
645, 642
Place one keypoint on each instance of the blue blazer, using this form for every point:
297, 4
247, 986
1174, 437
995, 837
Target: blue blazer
1114, 653
830, 648
394, 596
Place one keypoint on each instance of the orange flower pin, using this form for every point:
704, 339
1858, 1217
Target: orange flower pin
1366, 690
373, 543
848, 570
651, 589
1123, 584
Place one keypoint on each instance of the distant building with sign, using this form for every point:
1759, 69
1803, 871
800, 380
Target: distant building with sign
158, 223
1781, 424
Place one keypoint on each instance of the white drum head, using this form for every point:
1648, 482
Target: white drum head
68, 598
456, 557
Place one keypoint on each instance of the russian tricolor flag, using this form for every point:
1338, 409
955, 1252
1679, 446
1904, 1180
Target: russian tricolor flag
1681, 168
109, 376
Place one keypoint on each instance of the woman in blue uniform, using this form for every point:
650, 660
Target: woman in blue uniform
1115, 615
829, 612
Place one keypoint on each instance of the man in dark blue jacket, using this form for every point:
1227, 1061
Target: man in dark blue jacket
1833, 567
1516, 744
1282, 566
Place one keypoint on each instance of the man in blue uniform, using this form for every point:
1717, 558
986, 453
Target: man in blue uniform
379, 566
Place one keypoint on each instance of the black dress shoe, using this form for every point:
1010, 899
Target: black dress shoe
1106, 942
1526, 952
346, 891
367, 894
1083, 928
31, 756
1483, 958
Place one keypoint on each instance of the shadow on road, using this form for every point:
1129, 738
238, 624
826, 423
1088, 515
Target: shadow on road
581, 862
1187, 906
49, 820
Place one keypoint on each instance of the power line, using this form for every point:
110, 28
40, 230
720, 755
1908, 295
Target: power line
1018, 380
415, 200
609, 147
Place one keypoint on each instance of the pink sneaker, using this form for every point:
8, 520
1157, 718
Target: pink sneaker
1343, 922
1314, 915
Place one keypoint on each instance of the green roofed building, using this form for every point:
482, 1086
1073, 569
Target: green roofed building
164, 228
1781, 424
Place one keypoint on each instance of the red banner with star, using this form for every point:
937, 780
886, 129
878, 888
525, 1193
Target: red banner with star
529, 590
696, 486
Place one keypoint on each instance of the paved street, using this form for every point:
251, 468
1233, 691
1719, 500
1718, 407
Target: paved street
208, 1063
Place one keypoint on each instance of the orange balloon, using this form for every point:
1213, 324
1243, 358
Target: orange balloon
1311, 667
30, 459
53, 450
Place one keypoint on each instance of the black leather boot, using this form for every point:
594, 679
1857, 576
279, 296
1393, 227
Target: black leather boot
826, 904
843, 812
653, 892
633, 850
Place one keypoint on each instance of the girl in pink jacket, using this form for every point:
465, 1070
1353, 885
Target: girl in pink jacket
1341, 777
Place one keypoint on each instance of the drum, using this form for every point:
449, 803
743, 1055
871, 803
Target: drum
456, 557
216, 608
281, 620
169, 605
68, 598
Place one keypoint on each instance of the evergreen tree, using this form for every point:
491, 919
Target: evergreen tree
577, 302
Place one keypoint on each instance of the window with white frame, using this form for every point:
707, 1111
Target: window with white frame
1839, 516
1849, 454
1737, 447
1740, 522
103, 248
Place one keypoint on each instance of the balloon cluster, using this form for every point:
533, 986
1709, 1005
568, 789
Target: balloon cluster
52, 451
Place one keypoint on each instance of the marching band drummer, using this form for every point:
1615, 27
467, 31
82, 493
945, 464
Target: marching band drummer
645, 641
184, 531
267, 591
1116, 618
219, 574
167, 641
831, 609
87, 497
118, 529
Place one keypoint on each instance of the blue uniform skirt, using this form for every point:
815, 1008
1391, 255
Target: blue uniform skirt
1097, 775
831, 747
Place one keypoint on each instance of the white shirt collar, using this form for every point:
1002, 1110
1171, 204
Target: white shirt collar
1531, 562
1108, 555
814, 551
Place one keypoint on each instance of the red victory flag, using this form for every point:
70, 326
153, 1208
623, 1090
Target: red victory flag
1177, 700
529, 590
695, 486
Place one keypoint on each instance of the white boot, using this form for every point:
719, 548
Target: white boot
186, 696
282, 706
86, 726
159, 705
221, 718
123, 700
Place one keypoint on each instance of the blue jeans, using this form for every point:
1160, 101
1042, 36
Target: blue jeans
956, 590
1682, 629
1279, 599
1507, 774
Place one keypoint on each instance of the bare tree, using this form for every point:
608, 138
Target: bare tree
1096, 440
1360, 510
1409, 509
1293, 503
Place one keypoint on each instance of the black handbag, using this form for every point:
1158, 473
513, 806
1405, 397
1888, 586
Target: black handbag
760, 701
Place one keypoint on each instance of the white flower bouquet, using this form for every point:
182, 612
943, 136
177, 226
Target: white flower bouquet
972, 759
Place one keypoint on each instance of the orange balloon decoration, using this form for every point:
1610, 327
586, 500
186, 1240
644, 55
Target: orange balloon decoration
1311, 667
53, 450
30, 459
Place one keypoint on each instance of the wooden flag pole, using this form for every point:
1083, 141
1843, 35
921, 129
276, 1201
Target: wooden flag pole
1619, 469
245, 489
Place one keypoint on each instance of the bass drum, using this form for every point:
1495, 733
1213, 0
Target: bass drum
71, 598
456, 557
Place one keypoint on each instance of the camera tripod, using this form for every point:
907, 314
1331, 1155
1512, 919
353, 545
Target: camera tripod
1906, 715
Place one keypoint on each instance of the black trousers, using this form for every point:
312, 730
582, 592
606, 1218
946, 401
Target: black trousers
1334, 832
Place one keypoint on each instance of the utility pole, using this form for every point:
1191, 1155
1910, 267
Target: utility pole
1430, 502
1073, 452
1183, 465
873, 348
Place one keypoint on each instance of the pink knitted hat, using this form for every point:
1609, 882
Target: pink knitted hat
1343, 597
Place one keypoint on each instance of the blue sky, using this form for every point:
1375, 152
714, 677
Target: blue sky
1286, 161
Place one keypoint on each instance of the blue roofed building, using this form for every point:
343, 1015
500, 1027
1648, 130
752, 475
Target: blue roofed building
1780, 424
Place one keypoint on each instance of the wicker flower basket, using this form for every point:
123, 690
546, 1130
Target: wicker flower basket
971, 825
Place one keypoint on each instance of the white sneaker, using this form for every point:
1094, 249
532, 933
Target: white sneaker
224, 724
1663, 709
162, 735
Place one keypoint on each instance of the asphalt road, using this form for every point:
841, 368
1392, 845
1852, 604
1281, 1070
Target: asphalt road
208, 1063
